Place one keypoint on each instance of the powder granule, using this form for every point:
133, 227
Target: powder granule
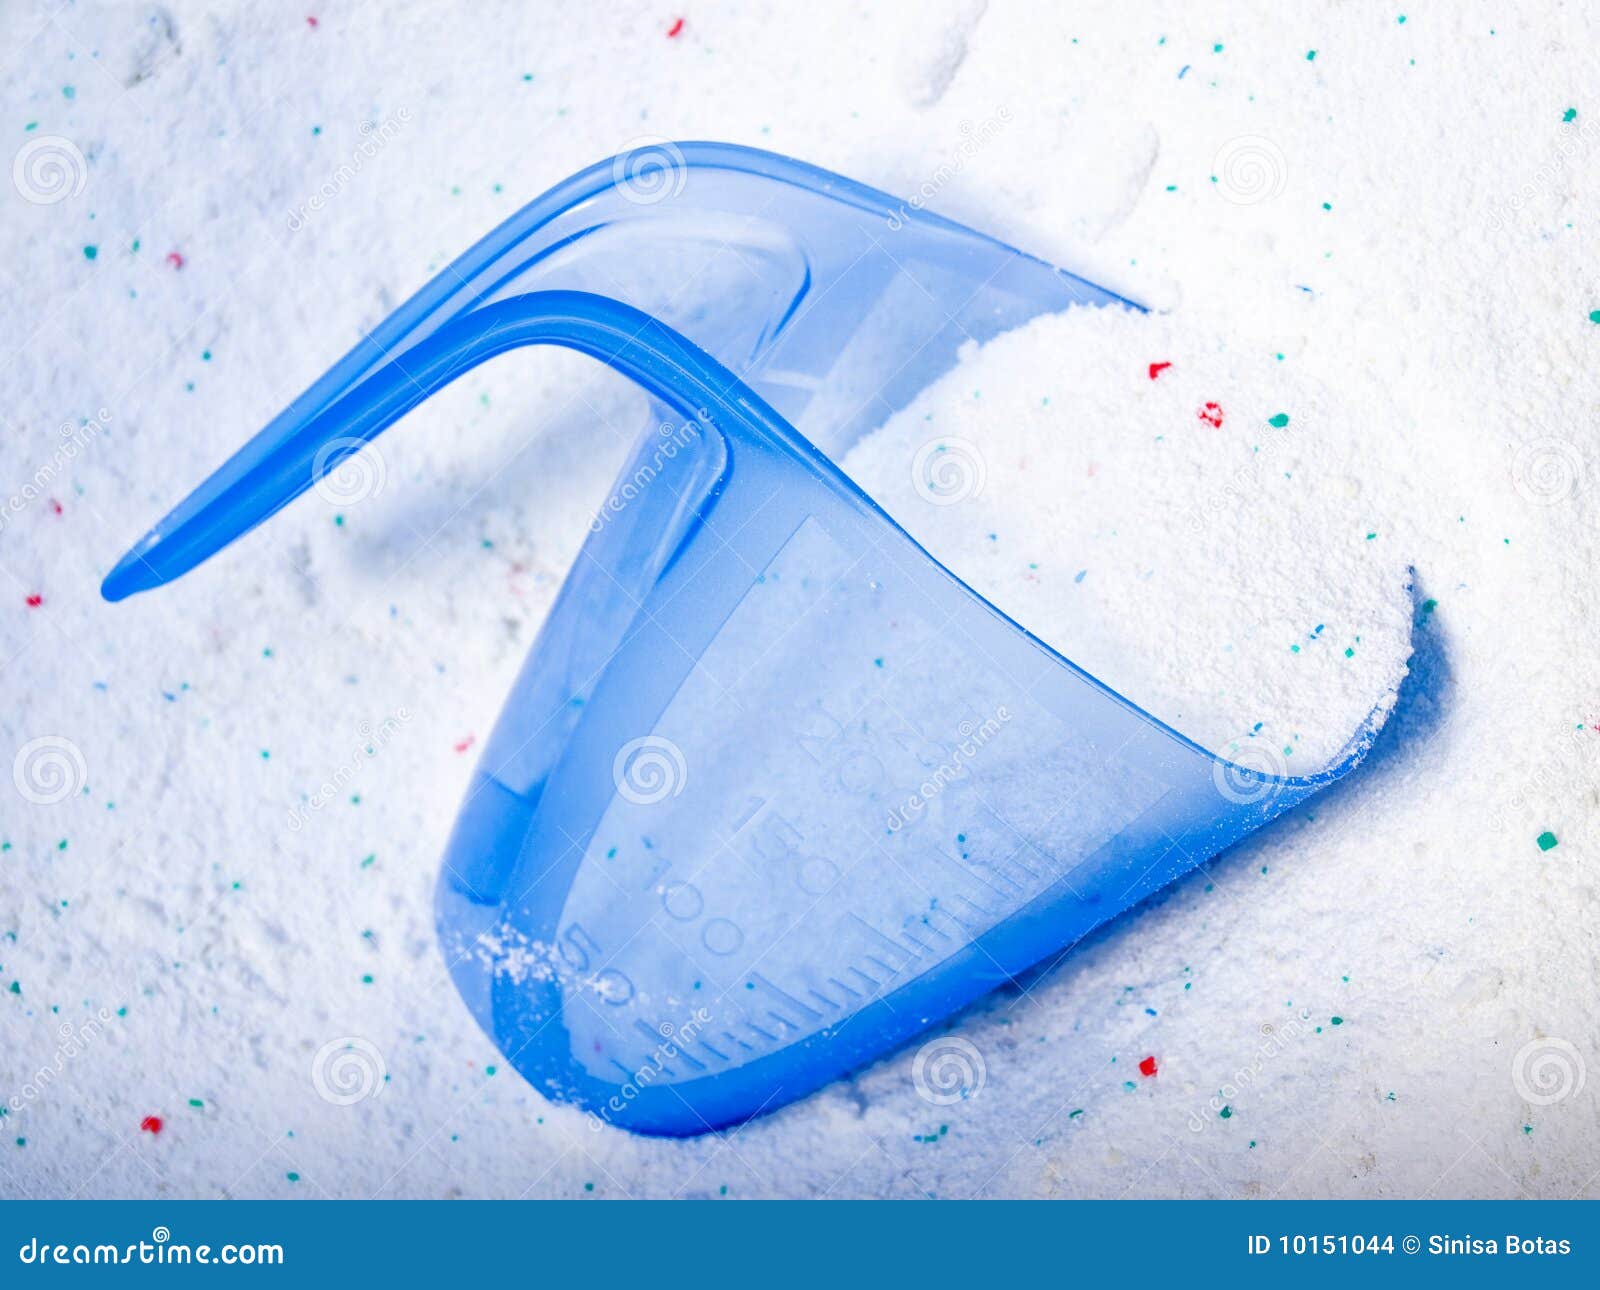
1171, 512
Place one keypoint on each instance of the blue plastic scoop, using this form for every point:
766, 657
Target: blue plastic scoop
774, 791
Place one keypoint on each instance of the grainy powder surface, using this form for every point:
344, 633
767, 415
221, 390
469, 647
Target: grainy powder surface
1122, 490
1368, 218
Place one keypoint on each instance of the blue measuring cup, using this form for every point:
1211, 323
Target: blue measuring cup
774, 791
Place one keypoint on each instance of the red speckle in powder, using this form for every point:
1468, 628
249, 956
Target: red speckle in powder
311, 22
464, 744
1147, 1067
35, 600
1211, 414
174, 259
55, 506
675, 29
1157, 368
151, 1124
1093, 470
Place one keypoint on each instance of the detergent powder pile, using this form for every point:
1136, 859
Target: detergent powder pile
1172, 513
219, 967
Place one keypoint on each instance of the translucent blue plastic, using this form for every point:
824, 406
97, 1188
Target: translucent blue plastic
774, 791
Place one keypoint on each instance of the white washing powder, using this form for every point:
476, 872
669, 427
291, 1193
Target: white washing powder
1173, 513
1336, 186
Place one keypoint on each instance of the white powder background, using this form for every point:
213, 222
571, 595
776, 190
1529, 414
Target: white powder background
1150, 464
1399, 217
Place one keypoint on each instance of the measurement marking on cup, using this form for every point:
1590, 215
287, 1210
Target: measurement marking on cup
811, 1014
659, 1040
882, 940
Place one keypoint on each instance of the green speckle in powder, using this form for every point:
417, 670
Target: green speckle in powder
197, 1103
1594, 315
1226, 1113
1546, 840
1278, 422
292, 1176
1571, 114
1311, 55
1336, 1021
89, 252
